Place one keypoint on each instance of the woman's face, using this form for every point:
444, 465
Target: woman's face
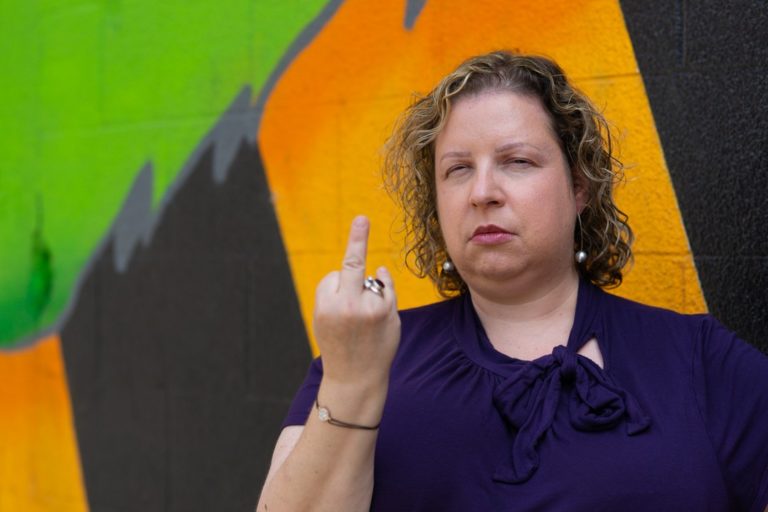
505, 197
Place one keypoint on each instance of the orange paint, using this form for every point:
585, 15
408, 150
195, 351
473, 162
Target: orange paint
39, 461
328, 116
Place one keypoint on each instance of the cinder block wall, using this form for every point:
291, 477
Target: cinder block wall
177, 177
703, 65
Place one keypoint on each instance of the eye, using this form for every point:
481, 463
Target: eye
518, 162
455, 168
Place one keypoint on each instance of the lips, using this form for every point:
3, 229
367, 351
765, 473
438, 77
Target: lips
491, 235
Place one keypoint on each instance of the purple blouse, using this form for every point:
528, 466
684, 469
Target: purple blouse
677, 419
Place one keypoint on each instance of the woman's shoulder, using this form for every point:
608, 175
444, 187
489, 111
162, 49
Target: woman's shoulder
665, 338
430, 326
654, 321
666, 335
429, 314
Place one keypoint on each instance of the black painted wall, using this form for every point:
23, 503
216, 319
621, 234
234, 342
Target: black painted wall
704, 64
182, 367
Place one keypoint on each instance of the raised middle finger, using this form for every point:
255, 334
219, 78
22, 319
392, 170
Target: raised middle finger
353, 267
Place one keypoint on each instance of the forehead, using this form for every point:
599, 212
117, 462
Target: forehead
494, 114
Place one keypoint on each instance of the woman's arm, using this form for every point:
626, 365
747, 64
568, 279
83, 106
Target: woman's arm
284, 446
328, 467
731, 390
322, 466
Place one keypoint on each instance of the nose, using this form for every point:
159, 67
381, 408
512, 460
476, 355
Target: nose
486, 190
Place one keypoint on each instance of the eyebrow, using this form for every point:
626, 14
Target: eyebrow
515, 145
500, 149
456, 154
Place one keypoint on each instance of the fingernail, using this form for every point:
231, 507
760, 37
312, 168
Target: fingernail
360, 221
383, 270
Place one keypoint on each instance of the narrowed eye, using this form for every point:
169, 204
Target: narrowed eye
518, 162
455, 168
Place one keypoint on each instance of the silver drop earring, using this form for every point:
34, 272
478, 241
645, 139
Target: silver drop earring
448, 267
581, 254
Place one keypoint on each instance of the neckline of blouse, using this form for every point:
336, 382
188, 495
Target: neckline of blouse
473, 340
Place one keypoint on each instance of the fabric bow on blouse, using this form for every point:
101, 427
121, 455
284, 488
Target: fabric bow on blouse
528, 400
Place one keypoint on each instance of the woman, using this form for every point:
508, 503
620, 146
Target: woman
531, 389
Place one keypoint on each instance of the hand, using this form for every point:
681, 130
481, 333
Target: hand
357, 330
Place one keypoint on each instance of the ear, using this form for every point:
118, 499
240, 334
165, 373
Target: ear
580, 190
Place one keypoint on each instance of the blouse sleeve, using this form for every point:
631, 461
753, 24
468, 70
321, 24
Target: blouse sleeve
305, 396
731, 383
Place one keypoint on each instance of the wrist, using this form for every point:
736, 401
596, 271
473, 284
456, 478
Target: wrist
324, 415
364, 387
356, 404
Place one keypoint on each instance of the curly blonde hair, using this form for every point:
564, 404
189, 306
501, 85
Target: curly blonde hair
585, 138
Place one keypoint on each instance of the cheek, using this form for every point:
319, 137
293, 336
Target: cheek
449, 216
444, 205
551, 209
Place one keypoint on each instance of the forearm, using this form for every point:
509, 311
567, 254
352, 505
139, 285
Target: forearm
330, 467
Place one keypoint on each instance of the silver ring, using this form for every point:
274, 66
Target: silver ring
374, 285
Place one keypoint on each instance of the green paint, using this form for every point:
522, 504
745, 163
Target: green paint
41, 274
91, 91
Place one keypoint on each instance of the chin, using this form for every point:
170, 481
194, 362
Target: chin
495, 273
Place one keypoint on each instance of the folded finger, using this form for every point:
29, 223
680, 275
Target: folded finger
383, 275
328, 284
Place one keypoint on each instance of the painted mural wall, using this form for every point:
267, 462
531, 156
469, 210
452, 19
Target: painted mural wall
175, 177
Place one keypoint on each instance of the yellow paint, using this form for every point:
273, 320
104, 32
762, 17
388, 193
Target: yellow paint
39, 461
325, 121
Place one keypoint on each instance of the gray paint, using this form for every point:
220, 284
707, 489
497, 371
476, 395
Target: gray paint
134, 221
412, 10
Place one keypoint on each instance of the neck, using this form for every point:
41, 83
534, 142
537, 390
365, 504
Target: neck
529, 326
